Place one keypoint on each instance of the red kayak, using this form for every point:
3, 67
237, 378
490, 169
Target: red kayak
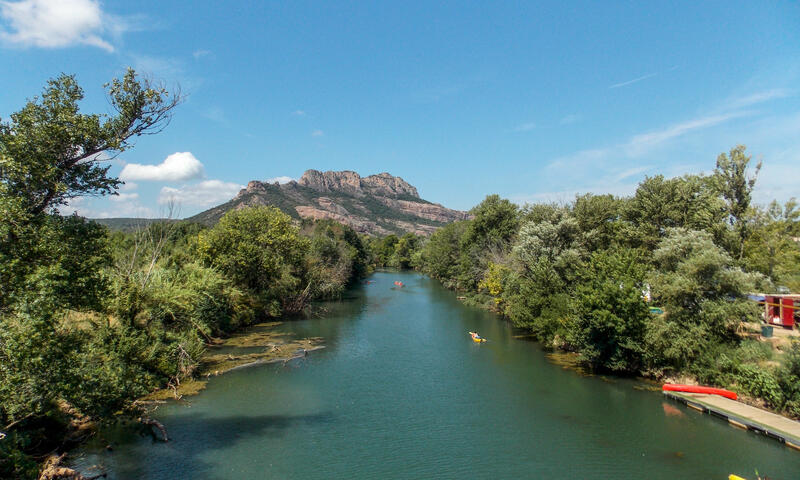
675, 387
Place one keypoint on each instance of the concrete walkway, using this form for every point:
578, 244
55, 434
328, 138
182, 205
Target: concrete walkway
743, 416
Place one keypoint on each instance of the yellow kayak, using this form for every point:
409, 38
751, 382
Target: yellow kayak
476, 338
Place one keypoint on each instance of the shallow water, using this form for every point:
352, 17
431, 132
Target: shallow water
401, 391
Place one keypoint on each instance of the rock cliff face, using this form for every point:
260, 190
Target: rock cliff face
378, 204
382, 184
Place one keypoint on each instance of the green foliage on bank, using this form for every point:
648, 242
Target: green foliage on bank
91, 320
575, 275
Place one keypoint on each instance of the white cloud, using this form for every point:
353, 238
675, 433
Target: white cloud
131, 208
124, 197
299, 113
525, 127
630, 172
198, 54
571, 118
563, 197
758, 97
177, 167
317, 133
281, 179
631, 82
204, 194
642, 143
57, 23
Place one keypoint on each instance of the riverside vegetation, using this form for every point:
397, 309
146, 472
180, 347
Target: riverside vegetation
574, 276
92, 320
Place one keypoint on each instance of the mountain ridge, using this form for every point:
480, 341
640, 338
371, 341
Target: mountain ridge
378, 204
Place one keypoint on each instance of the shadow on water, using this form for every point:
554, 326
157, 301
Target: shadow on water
194, 439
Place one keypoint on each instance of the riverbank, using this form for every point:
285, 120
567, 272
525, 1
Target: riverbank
401, 391
255, 345
779, 347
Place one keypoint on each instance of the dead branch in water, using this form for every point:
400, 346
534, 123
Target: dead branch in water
158, 425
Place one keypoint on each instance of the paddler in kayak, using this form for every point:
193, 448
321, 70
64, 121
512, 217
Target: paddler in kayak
476, 337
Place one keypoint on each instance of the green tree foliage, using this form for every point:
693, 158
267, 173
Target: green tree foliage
608, 326
574, 275
789, 381
702, 292
771, 248
337, 256
51, 152
735, 183
599, 218
547, 257
52, 266
261, 251
404, 250
382, 249
689, 202
495, 223
59, 257
441, 253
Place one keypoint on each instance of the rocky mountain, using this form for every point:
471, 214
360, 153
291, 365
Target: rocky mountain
378, 204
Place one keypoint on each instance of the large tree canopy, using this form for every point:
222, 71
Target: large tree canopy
50, 152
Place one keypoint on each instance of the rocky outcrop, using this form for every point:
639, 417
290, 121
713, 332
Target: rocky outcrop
429, 211
378, 204
346, 181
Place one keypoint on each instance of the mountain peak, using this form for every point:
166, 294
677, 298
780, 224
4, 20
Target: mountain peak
346, 181
378, 204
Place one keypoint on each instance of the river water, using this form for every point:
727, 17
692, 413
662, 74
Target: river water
401, 391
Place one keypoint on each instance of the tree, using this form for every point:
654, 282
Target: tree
598, 217
261, 250
440, 254
610, 315
546, 259
404, 251
770, 247
50, 265
495, 223
703, 294
735, 183
689, 202
50, 152
383, 249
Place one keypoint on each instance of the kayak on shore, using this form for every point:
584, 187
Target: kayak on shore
676, 387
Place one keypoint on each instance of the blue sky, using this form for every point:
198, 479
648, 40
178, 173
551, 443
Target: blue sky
533, 101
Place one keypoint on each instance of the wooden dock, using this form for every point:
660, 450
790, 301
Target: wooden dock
743, 416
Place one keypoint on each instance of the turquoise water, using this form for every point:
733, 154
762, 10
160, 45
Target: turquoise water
400, 391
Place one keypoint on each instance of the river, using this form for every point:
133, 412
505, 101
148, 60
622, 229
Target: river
401, 391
